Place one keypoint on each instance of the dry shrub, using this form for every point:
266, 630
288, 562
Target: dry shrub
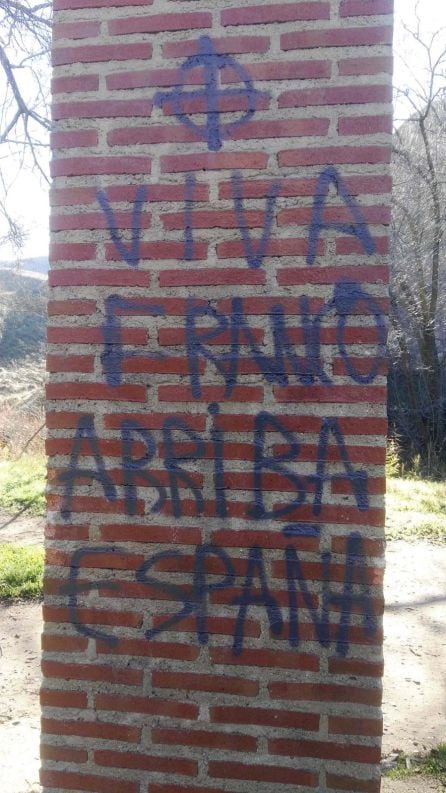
22, 409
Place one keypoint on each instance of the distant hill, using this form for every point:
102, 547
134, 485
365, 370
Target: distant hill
35, 264
23, 298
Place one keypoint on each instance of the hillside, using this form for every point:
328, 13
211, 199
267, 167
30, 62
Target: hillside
23, 302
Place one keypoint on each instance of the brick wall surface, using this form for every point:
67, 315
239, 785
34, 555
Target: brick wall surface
216, 401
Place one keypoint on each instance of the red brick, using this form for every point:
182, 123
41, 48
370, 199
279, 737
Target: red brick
335, 154
283, 70
355, 667
162, 249
265, 717
351, 245
65, 754
273, 659
95, 672
381, 64
60, 643
91, 166
363, 365
273, 774
101, 53
174, 393
155, 534
152, 78
69, 363
153, 421
210, 219
143, 648
82, 29
89, 782
93, 729
146, 705
205, 739
363, 8
95, 220
61, 5
302, 216
74, 139
336, 37
372, 547
275, 12
211, 276
93, 335
73, 251
146, 762
71, 196
172, 337
96, 276
177, 163
157, 23
342, 782
228, 45
74, 84
369, 274
337, 394
56, 698
365, 125
325, 692
71, 307
292, 186
282, 128
159, 133
214, 684
92, 616
94, 504
71, 532
172, 788
104, 108
324, 750
250, 131
227, 104
346, 725
96, 391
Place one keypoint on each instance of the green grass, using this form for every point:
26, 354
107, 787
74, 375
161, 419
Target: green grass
21, 571
22, 484
416, 509
432, 764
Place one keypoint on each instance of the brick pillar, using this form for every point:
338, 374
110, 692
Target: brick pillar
216, 404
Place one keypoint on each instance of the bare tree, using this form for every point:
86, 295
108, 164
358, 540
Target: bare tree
417, 408
25, 41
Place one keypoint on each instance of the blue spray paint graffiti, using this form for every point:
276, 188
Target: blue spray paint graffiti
254, 254
254, 259
131, 255
358, 229
280, 367
85, 432
255, 591
212, 63
179, 450
74, 588
113, 354
137, 472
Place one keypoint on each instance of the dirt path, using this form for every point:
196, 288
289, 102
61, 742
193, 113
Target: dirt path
414, 683
23, 529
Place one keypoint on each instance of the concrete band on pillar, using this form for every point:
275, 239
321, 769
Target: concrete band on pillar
217, 396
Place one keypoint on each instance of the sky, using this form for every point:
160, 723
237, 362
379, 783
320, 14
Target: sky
29, 200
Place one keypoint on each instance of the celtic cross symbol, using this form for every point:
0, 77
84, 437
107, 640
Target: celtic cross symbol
212, 63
